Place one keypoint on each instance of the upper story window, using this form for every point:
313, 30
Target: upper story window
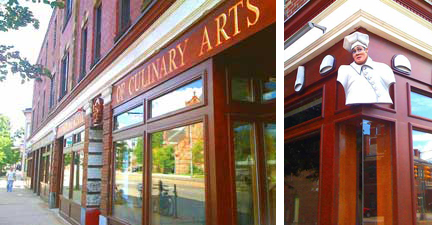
64, 76
124, 15
68, 11
421, 103
55, 33
97, 34
52, 91
83, 53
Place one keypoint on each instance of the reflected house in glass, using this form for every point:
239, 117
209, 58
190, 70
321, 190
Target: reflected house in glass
359, 163
158, 112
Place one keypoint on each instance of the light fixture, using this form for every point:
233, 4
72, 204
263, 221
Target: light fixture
401, 64
306, 28
298, 86
327, 65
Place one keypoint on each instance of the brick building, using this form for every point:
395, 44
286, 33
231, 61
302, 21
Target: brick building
365, 163
149, 102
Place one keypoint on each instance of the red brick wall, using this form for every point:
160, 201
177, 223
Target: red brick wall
291, 6
64, 35
107, 146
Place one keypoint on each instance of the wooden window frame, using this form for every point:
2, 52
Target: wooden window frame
420, 91
64, 76
97, 33
179, 118
83, 53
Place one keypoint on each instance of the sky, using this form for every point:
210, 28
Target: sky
14, 96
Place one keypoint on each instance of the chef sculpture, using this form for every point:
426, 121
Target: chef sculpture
364, 80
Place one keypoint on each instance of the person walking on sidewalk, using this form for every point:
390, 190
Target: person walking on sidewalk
10, 179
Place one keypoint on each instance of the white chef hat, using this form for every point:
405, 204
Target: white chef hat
356, 39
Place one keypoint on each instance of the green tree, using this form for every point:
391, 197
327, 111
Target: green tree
198, 157
13, 16
8, 154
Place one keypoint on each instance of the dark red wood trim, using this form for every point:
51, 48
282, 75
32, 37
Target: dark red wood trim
419, 7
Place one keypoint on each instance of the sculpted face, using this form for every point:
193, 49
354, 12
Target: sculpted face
359, 54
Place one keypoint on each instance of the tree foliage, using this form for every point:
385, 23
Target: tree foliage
13, 16
8, 154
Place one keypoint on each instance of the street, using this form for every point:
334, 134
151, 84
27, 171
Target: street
22, 207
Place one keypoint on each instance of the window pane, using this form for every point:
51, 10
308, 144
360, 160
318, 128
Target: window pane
78, 176
270, 151
308, 109
242, 89
127, 199
302, 180
185, 96
246, 176
421, 105
67, 158
178, 179
68, 141
365, 153
133, 116
422, 145
269, 89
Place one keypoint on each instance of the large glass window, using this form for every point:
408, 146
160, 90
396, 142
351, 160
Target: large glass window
185, 96
302, 180
422, 145
128, 118
245, 173
242, 89
270, 152
127, 199
365, 172
178, 177
421, 105
78, 176
67, 159
268, 89
305, 110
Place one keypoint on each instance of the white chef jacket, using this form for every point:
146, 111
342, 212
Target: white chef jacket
367, 83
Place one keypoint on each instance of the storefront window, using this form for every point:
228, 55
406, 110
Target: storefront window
270, 151
128, 118
185, 96
78, 176
302, 163
79, 137
268, 89
242, 89
365, 153
68, 141
421, 105
178, 176
127, 199
305, 110
67, 159
422, 145
246, 173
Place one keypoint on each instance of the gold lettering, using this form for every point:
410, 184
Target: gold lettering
137, 87
130, 81
220, 29
123, 87
155, 76
163, 70
254, 9
234, 8
182, 51
205, 41
143, 80
172, 54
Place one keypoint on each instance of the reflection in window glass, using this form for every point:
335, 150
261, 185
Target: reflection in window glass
67, 158
79, 137
127, 199
302, 180
308, 109
178, 179
185, 96
269, 89
365, 150
242, 89
422, 145
245, 169
270, 152
421, 105
78, 176
68, 141
128, 118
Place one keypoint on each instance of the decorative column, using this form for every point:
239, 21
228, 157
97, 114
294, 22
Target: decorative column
106, 156
54, 186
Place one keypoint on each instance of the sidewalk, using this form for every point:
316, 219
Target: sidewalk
22, 207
